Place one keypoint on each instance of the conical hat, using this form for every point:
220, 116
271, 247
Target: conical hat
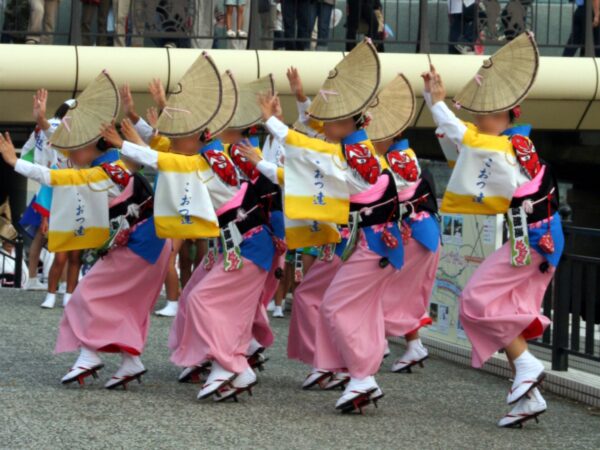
195, 100
350, 87
7, 230
248, 112
97, 104
229, 104
504, 80
392, 110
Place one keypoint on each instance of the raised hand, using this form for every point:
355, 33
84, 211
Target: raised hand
152, 116
128, 103
295, 81
157, 91
40, 101
268, 106
111, 135
436, 86
249, 152
131, 133
7, 149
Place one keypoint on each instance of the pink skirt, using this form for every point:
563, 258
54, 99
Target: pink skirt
261, 329
305, 312
216, 320
406, 300
110, 308
501, 302
351, 329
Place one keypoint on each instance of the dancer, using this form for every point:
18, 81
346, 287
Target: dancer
350, 332
406, 310
213, 326
107, 312
500, 305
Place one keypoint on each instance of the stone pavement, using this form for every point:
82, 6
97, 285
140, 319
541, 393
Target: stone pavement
444, 406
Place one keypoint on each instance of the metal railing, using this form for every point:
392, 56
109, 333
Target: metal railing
406, 26
573, 300
16, 278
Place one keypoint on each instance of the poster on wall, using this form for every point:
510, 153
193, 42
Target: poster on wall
466, 241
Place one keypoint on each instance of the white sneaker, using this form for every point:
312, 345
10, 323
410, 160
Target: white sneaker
62, 288
339, 379
529, 407
66, 299
415, 354
231, 34
242, 34
317, 376
131, 369
357, 394
218, 378
278, 312
529, 374
271, 306
49, 301
88, 363
242, 383
33, 284
170, 309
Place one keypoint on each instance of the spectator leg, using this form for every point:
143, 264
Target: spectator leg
266, 29
103, 10
324, 15
352, 23
455, 32
138, 24
577, 37
88, 11
50, 16
121, 11
36, 16
304, 29
203, 25
288, 11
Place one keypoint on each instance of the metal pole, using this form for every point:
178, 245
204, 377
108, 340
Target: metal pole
589, 29
18, 261
75, 27
254, 26
423, 45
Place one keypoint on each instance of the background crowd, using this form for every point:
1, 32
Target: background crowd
282, 24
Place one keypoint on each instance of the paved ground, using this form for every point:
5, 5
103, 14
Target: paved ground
444, 406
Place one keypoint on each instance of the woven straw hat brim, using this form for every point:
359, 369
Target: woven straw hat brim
194, 102
392, 110
7, 230
248, 112
350, 86
504, 80
229, 104
98, 103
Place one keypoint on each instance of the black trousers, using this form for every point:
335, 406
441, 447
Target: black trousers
296, 24
357, 10
577, 36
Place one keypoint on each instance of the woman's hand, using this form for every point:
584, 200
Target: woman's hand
157, 91
131, 133
7, 149
268, 105
111, 135
249, 152
152, 116
40, 101
295, 81
436, 86
128, 104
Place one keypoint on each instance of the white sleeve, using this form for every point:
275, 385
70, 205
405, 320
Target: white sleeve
302, 108
144, 130
36, 172
277, 128
54, 123
448, 124
269, 170
427, 98
142, 155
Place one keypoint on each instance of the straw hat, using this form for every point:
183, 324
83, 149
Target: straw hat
97, 104
350, 86
229, 104
392, 110
195, 100
504, 80
248, 112
7, 230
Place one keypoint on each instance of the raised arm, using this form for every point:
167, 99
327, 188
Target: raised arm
435, 93
40, 101
141, 154
36, 172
